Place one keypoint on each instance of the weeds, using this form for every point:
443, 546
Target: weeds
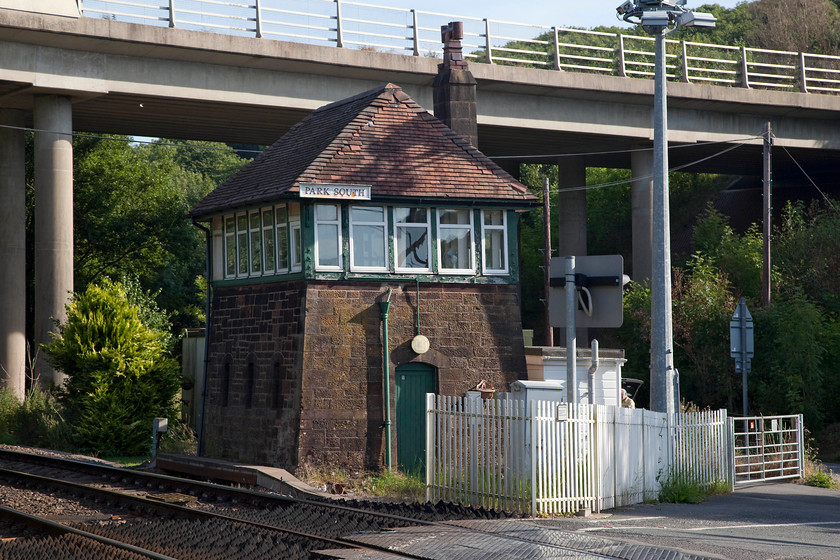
179, 438
398, 486
681, 488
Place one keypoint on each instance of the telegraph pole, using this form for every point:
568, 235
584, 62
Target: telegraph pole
768, 216
549, 330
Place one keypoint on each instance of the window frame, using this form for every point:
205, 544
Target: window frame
385, 267
295, 237
239, 248
404, 225
441, 227
269, 232
230, 242
485, 269
255, 231
339, 240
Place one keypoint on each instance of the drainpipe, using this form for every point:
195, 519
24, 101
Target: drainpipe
593, 368
384, 306
209, 239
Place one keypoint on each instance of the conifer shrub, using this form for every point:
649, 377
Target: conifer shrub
120, 373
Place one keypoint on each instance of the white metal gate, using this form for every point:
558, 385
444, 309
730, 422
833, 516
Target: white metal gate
767, 448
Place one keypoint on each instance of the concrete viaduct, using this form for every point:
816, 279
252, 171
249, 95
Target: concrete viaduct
60, 74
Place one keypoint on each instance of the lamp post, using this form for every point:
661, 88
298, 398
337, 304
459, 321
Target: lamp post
660, 18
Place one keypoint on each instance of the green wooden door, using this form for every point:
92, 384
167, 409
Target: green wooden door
413, 381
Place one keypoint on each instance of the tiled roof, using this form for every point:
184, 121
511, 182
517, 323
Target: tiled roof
380, 138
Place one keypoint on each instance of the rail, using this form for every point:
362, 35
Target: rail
348, 24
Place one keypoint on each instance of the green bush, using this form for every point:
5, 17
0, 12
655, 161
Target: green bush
120, 376
820, 479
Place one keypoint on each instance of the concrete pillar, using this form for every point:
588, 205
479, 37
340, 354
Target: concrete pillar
53, 221
641, 197
571, 213
571, 207
13, 253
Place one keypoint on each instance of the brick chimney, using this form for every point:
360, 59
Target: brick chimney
454, 86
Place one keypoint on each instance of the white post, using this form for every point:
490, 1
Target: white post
258, 19
488, 42
415, 28
339, 34
431, 432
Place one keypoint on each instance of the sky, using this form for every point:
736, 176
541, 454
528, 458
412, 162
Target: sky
560, 13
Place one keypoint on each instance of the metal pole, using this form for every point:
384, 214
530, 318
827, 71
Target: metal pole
662, 390
549, 330
768, 216
742, 312
571, 341
386, 374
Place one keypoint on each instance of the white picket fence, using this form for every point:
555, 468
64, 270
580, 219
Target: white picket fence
549, 457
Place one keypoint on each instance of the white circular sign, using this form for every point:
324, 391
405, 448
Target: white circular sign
420, 344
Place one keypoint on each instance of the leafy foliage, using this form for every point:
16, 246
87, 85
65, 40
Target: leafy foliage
119, 374
131, 203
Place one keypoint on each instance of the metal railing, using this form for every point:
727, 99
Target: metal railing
348, 24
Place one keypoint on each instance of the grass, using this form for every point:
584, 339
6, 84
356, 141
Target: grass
683, 490
397, 486
392, 485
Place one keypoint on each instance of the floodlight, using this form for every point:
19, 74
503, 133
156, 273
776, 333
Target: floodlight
656, 18
628, 6
696, 19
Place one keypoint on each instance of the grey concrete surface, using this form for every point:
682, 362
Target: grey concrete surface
770, 521
156, 81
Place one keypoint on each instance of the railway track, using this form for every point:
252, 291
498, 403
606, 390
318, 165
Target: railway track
86, 510
186, 516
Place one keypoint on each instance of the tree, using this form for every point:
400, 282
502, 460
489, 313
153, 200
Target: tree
131, 205
120, 376
795, 25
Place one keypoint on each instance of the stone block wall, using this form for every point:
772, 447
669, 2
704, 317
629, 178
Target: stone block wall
295, 373
252, 411
474, 332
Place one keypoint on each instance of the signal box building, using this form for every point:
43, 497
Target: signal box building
366, 200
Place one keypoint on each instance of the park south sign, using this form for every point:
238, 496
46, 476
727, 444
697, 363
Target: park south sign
334, 191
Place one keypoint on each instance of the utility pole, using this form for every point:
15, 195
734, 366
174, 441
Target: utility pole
659, 18
662, 396
768, 216
549, 330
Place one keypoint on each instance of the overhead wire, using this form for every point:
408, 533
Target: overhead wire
828, 200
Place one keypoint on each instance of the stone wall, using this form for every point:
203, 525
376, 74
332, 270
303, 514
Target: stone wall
295, 373
474, 331
252, 410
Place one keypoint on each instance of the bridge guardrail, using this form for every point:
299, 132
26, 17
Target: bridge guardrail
350, 24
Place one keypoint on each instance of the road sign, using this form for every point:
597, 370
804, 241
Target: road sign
741, 346
599, 280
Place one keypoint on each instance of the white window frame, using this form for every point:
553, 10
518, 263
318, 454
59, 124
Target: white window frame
485, 269
284, 227
269, 233
415, 225
295, 239
230, 241
384, 225
252, 231
339, 241
239, 234
441, 227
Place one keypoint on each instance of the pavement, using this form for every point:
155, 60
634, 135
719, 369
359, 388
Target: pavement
767, 521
